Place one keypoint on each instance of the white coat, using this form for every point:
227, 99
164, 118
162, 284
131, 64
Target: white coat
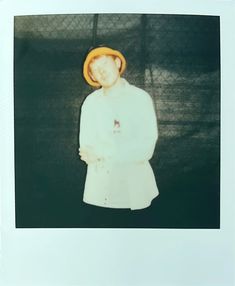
121, 128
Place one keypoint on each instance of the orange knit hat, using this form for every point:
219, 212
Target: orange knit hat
99, 52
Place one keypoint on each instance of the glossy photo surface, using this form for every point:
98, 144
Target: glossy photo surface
175, 59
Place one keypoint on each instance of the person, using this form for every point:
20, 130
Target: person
118, 134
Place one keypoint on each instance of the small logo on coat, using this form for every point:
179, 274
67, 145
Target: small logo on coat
116, 126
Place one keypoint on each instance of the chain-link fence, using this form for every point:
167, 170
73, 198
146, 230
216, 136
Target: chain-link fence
176, 58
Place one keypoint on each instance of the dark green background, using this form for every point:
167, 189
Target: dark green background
175, 58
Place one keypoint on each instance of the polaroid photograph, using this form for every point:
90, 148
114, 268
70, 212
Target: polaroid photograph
115, 154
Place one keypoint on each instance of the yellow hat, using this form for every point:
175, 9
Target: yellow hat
99, 52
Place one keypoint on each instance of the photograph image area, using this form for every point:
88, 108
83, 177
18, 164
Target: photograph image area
117, 121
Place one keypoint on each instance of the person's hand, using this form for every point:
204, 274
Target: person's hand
88, 155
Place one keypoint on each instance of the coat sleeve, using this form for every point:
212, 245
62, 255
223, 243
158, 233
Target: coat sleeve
86, 132
138, 142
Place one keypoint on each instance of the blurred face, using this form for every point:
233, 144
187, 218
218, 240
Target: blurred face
105, 70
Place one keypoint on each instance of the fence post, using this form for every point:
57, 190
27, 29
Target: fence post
94, 33
143, 54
